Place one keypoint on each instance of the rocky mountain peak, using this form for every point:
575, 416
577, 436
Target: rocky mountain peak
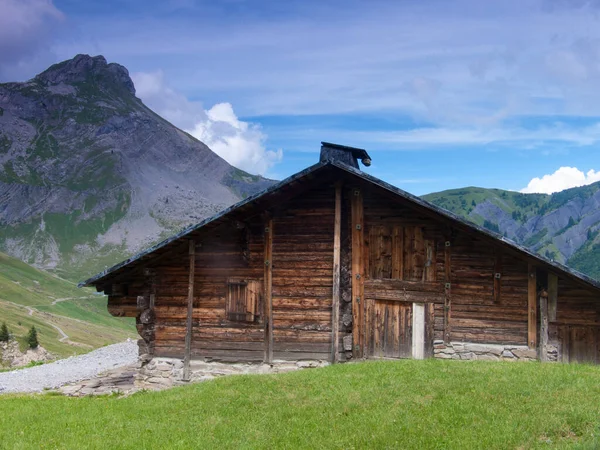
83, 68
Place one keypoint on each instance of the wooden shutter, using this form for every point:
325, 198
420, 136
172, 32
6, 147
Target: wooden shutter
243, 300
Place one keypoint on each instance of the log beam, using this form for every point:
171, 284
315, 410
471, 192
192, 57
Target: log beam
448, 290
552, 296
358, 301
543, 352
335, 303
532, 297
190, 310
268, 279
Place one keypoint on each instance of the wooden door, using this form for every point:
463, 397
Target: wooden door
389, 329
579, 344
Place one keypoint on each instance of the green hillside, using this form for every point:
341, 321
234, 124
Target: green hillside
564, 226
463, 201
29, 296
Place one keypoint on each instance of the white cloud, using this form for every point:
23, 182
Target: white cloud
240, 143
563, 178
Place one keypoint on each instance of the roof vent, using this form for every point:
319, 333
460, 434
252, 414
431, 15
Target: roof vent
343, 154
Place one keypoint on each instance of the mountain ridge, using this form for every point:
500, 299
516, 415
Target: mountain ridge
89, 174
563, 226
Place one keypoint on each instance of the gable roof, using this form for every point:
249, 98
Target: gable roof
310, 173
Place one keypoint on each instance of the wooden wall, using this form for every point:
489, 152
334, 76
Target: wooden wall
476, 312
303, 276
408, 255
576, 330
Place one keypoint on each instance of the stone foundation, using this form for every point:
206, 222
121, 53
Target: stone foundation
160, 373
484, 352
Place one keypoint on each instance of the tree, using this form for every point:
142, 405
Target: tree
4, 335
32, 340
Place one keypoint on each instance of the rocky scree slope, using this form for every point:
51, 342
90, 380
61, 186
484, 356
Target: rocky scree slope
89, 175
564, 226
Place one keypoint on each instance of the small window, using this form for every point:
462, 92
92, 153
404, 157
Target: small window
244, 300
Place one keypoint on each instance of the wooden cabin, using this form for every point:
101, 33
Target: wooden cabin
333, 264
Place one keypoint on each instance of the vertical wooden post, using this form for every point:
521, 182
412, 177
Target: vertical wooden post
552, 296
190, 310
497, 275
447, 290
532, 307
358, 300
335, 301
543, 353
268, 277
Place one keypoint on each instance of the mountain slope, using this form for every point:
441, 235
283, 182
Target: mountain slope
563, 226
90, 175
56, 308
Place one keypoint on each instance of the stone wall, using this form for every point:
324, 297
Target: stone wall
161, 373
485, 352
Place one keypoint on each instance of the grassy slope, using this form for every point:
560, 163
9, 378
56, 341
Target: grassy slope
403, 404
463, 201
522, 207
83, 317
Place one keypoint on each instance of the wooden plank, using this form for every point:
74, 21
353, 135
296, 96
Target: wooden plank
398, 253
447, 291
429, 329
552, 296
401, 285
358, 301
335, 302
532, 307
543, 353
429, 274
418, 331
497, 275
268, 280
190, 311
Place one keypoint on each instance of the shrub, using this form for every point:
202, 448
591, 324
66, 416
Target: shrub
4, 336
32, 340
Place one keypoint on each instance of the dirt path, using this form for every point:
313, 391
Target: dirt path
64, 337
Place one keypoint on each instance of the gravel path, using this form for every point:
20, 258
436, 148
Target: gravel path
74, 368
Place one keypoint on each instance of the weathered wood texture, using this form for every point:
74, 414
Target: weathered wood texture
189, 328
470, 303
576, 330
532, 301
392, 254
389, 329
303, 248
335, 307
358, 273
268, 285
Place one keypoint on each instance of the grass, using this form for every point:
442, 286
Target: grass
400, 404
26, 297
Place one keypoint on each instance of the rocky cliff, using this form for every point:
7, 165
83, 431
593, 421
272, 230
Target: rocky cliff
90, 175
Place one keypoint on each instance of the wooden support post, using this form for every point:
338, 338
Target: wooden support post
358, 300
335, 301
543, 352
532, 307
497, 276
268, 279
447, 290
190, 311
552, 296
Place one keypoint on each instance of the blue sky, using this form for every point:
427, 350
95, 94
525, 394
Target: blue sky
442, 94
